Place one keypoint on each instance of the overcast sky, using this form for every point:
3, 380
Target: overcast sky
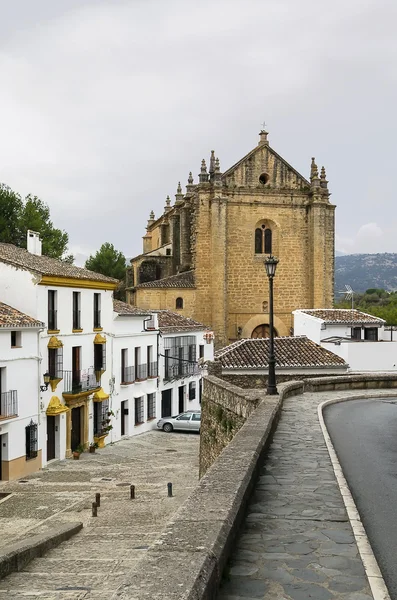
106, 104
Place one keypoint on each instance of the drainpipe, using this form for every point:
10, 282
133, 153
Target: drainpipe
39, 359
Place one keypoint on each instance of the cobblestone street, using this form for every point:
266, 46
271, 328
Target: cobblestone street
93, 563
296, 542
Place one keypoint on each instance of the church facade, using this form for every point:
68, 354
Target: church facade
204, 256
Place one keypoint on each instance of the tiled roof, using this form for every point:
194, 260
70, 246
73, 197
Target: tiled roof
123, 309
170, 322
290, 352
346, 316
44, 265
11, 317
181, 280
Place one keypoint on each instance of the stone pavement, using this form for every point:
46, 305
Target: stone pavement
95, 561
296, 542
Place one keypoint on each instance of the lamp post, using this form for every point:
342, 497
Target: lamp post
271, 265
47, 378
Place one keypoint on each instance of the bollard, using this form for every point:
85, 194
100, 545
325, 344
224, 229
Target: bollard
132, 492
98, 500
169, 486
94, 509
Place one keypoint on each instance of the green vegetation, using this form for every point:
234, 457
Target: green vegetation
17, 215
109, 261
375, 301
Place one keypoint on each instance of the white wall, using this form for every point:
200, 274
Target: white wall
366, 356
21, 374
307, 325
128, 333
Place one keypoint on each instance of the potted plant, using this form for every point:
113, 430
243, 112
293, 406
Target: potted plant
92, 447
78, 451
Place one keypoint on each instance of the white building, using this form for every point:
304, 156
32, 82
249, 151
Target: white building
20, 453
76, 306
184, 346
355, 336
100, 357
134, 369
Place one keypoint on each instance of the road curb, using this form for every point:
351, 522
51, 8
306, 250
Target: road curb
371, 567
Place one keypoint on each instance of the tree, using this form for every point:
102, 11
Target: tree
107, 261
17, 216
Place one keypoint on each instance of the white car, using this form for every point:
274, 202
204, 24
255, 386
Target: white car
187, 421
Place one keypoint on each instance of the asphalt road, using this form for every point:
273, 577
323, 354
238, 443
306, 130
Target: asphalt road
364, 434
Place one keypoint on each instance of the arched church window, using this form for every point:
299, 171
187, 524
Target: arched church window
263, 240
179, 303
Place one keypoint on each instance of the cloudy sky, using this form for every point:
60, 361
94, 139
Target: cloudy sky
107, 104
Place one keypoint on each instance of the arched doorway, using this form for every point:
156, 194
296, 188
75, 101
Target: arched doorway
262, 331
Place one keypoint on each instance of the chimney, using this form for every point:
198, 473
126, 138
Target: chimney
34, 242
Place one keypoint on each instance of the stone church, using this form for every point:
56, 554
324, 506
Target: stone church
204, 256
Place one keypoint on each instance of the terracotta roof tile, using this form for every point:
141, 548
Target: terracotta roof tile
44, 265
181, 280
170, 322
11, 317
290, 352
123, 309
342, 315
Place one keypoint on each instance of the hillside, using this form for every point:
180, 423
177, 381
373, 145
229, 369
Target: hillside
364, 271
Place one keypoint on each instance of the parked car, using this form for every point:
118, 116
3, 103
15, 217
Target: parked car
187, 421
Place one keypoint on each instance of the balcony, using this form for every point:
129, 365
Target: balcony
127, 375
141, 372
152, 369
76, 319
80, 382
52, 320
8, 404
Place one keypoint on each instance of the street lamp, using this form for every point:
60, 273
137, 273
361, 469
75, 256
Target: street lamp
271, 265
47, 378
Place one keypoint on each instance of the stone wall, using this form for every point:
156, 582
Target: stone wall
224, 410
260, 381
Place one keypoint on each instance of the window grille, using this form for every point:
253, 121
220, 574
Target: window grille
151, 406
101, 417
99, 357
31, 440
139, 411
55, 362
192, 390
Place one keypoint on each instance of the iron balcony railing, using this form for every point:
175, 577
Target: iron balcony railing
127, 375
141, 372
76, 319
52, 319
152, 369
9, 404
97, 319
79, 381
